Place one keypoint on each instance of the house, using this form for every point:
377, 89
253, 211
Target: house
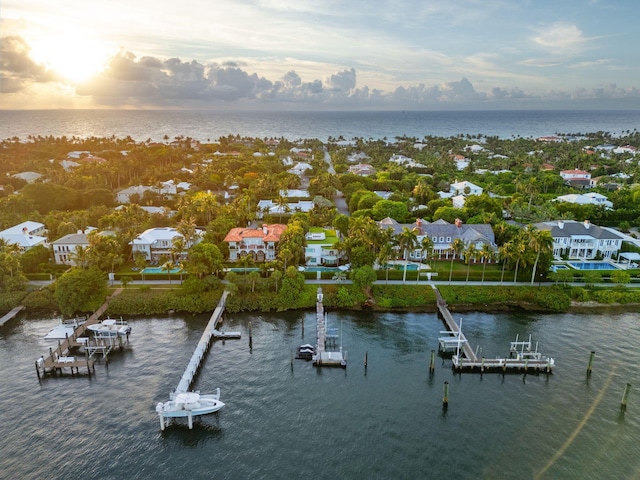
166, 188
320, 249
28, 177
259, 243
581, 239
404, 161
65, 248
590, 198
271, 208
159, 242
25, 235
465, 188
362, 169
443, 234
300, 168
576, 178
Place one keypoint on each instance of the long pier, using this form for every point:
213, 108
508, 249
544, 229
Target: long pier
521, 356
322, 357
203, 345
453, 327
59, 358
11, 315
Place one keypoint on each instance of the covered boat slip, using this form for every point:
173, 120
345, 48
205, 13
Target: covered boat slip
323, 358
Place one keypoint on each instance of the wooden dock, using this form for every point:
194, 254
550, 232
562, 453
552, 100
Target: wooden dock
322, 357
453, 327
59, 359
521, 356
203, 345
11, 315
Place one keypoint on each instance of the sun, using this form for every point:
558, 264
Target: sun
75, 59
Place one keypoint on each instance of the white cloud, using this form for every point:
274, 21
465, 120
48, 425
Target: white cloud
560, 38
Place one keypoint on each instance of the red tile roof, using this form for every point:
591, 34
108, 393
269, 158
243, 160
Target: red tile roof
268, 233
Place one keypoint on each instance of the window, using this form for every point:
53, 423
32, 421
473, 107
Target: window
448, 239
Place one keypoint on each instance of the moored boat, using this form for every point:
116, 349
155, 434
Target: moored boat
188, 404
111, 327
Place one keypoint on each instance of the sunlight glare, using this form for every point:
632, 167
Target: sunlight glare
74, 59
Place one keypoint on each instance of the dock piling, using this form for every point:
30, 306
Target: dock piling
432, 363
445, 398
250, 337
625, 395
366, 359
590, 362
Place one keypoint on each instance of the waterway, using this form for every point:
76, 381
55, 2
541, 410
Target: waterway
301, 422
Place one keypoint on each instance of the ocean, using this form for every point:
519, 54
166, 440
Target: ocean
297, 421
207, 126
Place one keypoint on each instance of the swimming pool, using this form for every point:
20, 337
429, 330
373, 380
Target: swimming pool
155, 270
593, 265
321, 269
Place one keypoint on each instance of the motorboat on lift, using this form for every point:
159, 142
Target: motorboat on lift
111, 327
189, 404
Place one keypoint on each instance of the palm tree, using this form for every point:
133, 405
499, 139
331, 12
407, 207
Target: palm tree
456, 248
486, 254
407, 241
519, 248
166, 267
384, 255
539, 241
469, 253
427, 246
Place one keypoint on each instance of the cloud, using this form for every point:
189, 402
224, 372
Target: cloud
345, 80
17, 69
561, 38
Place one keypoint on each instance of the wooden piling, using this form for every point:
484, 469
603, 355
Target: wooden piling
250, 336
366, 359
445, 398
432, 363
625, 395
590, 362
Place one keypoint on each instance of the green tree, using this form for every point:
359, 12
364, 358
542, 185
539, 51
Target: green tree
407, 241
620, 277
539, 242
486, 254
470, 253
456, 248
203, 259
80, 291
363, 278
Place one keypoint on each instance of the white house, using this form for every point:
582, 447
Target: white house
300, 168
569, 175
320, 249
582, 239
272, 208
158, 242
165, 188
590, 198
26, 235
460, 188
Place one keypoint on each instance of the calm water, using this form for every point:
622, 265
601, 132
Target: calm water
211, 125
279, 422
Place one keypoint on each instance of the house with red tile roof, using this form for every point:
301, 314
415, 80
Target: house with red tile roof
259, 243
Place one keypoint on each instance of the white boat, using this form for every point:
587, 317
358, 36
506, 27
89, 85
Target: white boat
111, 327
65, 328
189, 404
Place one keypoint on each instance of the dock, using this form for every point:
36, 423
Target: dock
60, 358
522, 358
11, 315
322, 357
454, 331
183, 402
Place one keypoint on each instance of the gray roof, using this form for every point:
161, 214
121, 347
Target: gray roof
570, 228
72, 239
440, 228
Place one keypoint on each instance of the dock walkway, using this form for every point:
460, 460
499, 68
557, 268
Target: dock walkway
203, 345
322, 357
521, 357
453, 327
58, 359
11, 315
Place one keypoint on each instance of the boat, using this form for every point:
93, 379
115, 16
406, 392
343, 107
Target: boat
65, 329
111, 327
305, 352
189, 404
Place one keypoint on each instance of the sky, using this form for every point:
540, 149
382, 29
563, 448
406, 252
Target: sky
333, 55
